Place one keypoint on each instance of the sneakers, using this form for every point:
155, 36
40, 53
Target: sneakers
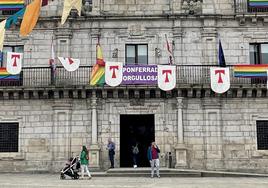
89, 177
135, 166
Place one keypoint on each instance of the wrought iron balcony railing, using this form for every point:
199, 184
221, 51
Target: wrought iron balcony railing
249, 6
187, 76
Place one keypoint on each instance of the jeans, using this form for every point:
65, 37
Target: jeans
135, 159
83, 169
155, 163
111, 157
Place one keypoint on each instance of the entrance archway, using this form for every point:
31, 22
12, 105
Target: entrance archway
136, 129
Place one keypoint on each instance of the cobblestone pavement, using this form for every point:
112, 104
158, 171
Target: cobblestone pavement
48, 180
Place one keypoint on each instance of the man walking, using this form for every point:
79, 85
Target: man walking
111, 151
153, 157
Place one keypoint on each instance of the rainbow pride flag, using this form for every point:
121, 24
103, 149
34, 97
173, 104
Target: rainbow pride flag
97, 75
11, 4
5, 76
258, 3
250, 71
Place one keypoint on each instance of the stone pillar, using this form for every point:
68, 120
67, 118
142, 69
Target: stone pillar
94, 148
181, 151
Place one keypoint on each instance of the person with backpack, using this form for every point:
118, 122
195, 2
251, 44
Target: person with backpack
135, 152
84, 162
153, 156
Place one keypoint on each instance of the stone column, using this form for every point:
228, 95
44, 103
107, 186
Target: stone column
94, 148
181, 151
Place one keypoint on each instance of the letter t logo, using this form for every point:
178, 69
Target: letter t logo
166, 72
15, 57
113, 68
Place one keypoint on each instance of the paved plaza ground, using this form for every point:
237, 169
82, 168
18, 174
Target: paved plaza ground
49, 180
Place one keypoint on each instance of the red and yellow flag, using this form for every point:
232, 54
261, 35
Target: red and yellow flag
97, 75
30, 17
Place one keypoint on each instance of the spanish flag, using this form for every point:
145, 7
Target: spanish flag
30, 17
97, 75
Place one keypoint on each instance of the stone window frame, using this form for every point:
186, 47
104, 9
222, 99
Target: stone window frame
256, 126
14, 155
252, 121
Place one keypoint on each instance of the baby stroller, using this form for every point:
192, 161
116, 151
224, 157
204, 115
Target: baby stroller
71, 169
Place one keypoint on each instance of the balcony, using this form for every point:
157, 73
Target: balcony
250, 7
188, 76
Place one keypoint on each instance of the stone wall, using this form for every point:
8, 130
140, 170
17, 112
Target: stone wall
219, 133
195, 42
49, 133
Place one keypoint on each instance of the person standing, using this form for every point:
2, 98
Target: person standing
153, 157
111, 151
135, 152
84, 162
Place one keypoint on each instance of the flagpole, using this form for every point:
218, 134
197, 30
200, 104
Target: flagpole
52, 63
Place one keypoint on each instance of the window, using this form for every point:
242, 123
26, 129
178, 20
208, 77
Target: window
3, 55
9, 137
262, 135
258, 53
136, 54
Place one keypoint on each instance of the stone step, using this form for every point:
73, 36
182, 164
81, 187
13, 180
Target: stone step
147, 175
137, 171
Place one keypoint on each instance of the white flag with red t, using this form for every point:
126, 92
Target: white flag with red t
113, 73
166, 77
220, 79
14, 62
70, 64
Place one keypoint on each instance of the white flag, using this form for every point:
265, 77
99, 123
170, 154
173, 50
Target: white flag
113, 73
2, 33
68, 5
166, 77
14, 62
220, 79
70, 64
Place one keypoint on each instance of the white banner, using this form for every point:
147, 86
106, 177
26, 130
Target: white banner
113, 73
220, 79
166, 77
14, 62
70, 64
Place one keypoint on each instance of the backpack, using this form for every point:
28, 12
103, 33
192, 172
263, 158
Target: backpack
135, 150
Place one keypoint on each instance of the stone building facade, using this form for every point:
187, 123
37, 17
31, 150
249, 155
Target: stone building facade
198, 128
